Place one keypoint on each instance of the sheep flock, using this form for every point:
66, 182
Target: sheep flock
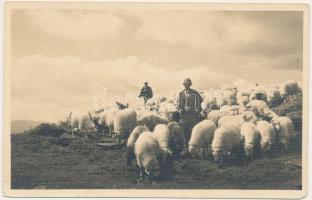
237, 121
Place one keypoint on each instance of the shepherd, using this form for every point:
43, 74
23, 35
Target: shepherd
189, 107
146, 92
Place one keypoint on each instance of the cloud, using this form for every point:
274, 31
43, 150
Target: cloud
176, 38
197, 29
52, 87
75, 24
77, 59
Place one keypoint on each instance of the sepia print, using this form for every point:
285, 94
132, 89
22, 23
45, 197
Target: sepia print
155, 100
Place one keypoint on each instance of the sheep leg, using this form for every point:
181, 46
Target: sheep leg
221, 162
164, 159
203, 151
130, 156
207, 150
141, 175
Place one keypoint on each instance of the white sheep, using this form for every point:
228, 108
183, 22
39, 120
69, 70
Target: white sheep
260, 90
274, 97
151, 104
226, 109
131, 142
124, 122
215, 115
284, 131
151, 119
243, 97
250, 138
210, 103
147, 151
107, 118
226, 140
161, 134
82, 123
166, 108
249, 116
229, 96
261, 109
202, 136
258, 106
231, 120
241, 109
212, 99
236, 109
267, 133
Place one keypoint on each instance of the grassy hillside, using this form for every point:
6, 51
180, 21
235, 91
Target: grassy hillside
72, 163
47, 158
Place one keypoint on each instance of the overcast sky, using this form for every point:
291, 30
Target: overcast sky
67, 60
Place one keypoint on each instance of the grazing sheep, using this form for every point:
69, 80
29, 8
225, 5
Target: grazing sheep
284, 131
274, 97
235, 109
267, 133
83, 123
291, 87
107, 119
209, 104
243, 97
131, 142
229, 96
243, 100
249, 116
151, 105
230, 120
161, 134
250, 138
176, 140
226, 140
259, 93
151, 119
202, 136
261, 110
226, 109
212, 99
147, 151
124, 122
215, 115
166, 108
241, 109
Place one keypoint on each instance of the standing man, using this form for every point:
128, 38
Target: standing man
189, 106
146, 92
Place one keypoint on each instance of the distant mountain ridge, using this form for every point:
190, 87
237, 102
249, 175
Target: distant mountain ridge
19, 126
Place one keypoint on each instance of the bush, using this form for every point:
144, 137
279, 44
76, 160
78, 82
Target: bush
46, 129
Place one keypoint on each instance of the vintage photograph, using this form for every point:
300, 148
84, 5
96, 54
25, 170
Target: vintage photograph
155, 96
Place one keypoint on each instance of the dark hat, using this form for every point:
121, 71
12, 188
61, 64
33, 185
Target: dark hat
187, 80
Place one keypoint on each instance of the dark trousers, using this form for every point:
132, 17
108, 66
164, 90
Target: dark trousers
187, 124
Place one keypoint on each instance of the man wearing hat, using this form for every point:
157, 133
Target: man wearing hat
146, 92
189, 106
